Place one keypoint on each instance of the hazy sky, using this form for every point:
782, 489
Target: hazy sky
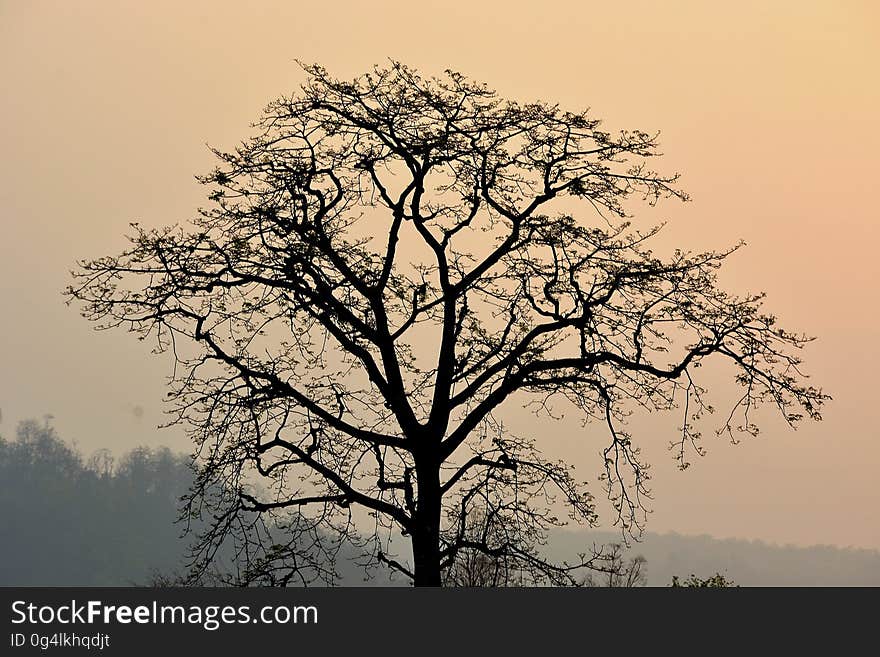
770, 110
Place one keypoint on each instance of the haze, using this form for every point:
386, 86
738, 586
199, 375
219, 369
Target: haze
769, 110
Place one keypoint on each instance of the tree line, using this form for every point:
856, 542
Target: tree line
71, 520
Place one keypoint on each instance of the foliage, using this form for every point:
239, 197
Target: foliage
716, 581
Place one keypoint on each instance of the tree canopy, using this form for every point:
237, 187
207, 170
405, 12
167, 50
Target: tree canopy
384, 266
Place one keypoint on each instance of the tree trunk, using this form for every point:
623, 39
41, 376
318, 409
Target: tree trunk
426, 534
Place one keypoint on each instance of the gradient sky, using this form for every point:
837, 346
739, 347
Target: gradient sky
770, 110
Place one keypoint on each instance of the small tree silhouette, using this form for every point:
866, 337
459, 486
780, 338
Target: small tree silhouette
716, 581
386, 264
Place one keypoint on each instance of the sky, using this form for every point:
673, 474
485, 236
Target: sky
770, 111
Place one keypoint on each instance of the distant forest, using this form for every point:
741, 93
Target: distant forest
68, 520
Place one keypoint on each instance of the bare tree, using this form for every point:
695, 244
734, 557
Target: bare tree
613, 569
384, 266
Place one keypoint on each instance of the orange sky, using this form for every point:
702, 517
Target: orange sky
770, 110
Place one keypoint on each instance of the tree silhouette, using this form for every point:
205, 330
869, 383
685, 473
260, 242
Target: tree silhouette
384, 266
716, 581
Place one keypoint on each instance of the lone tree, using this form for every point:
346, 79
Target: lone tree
384, 266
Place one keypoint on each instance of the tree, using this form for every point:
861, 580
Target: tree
716, 581
615, 570
387, 264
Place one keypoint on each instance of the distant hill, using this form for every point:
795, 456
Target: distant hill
65, 521
747, 563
